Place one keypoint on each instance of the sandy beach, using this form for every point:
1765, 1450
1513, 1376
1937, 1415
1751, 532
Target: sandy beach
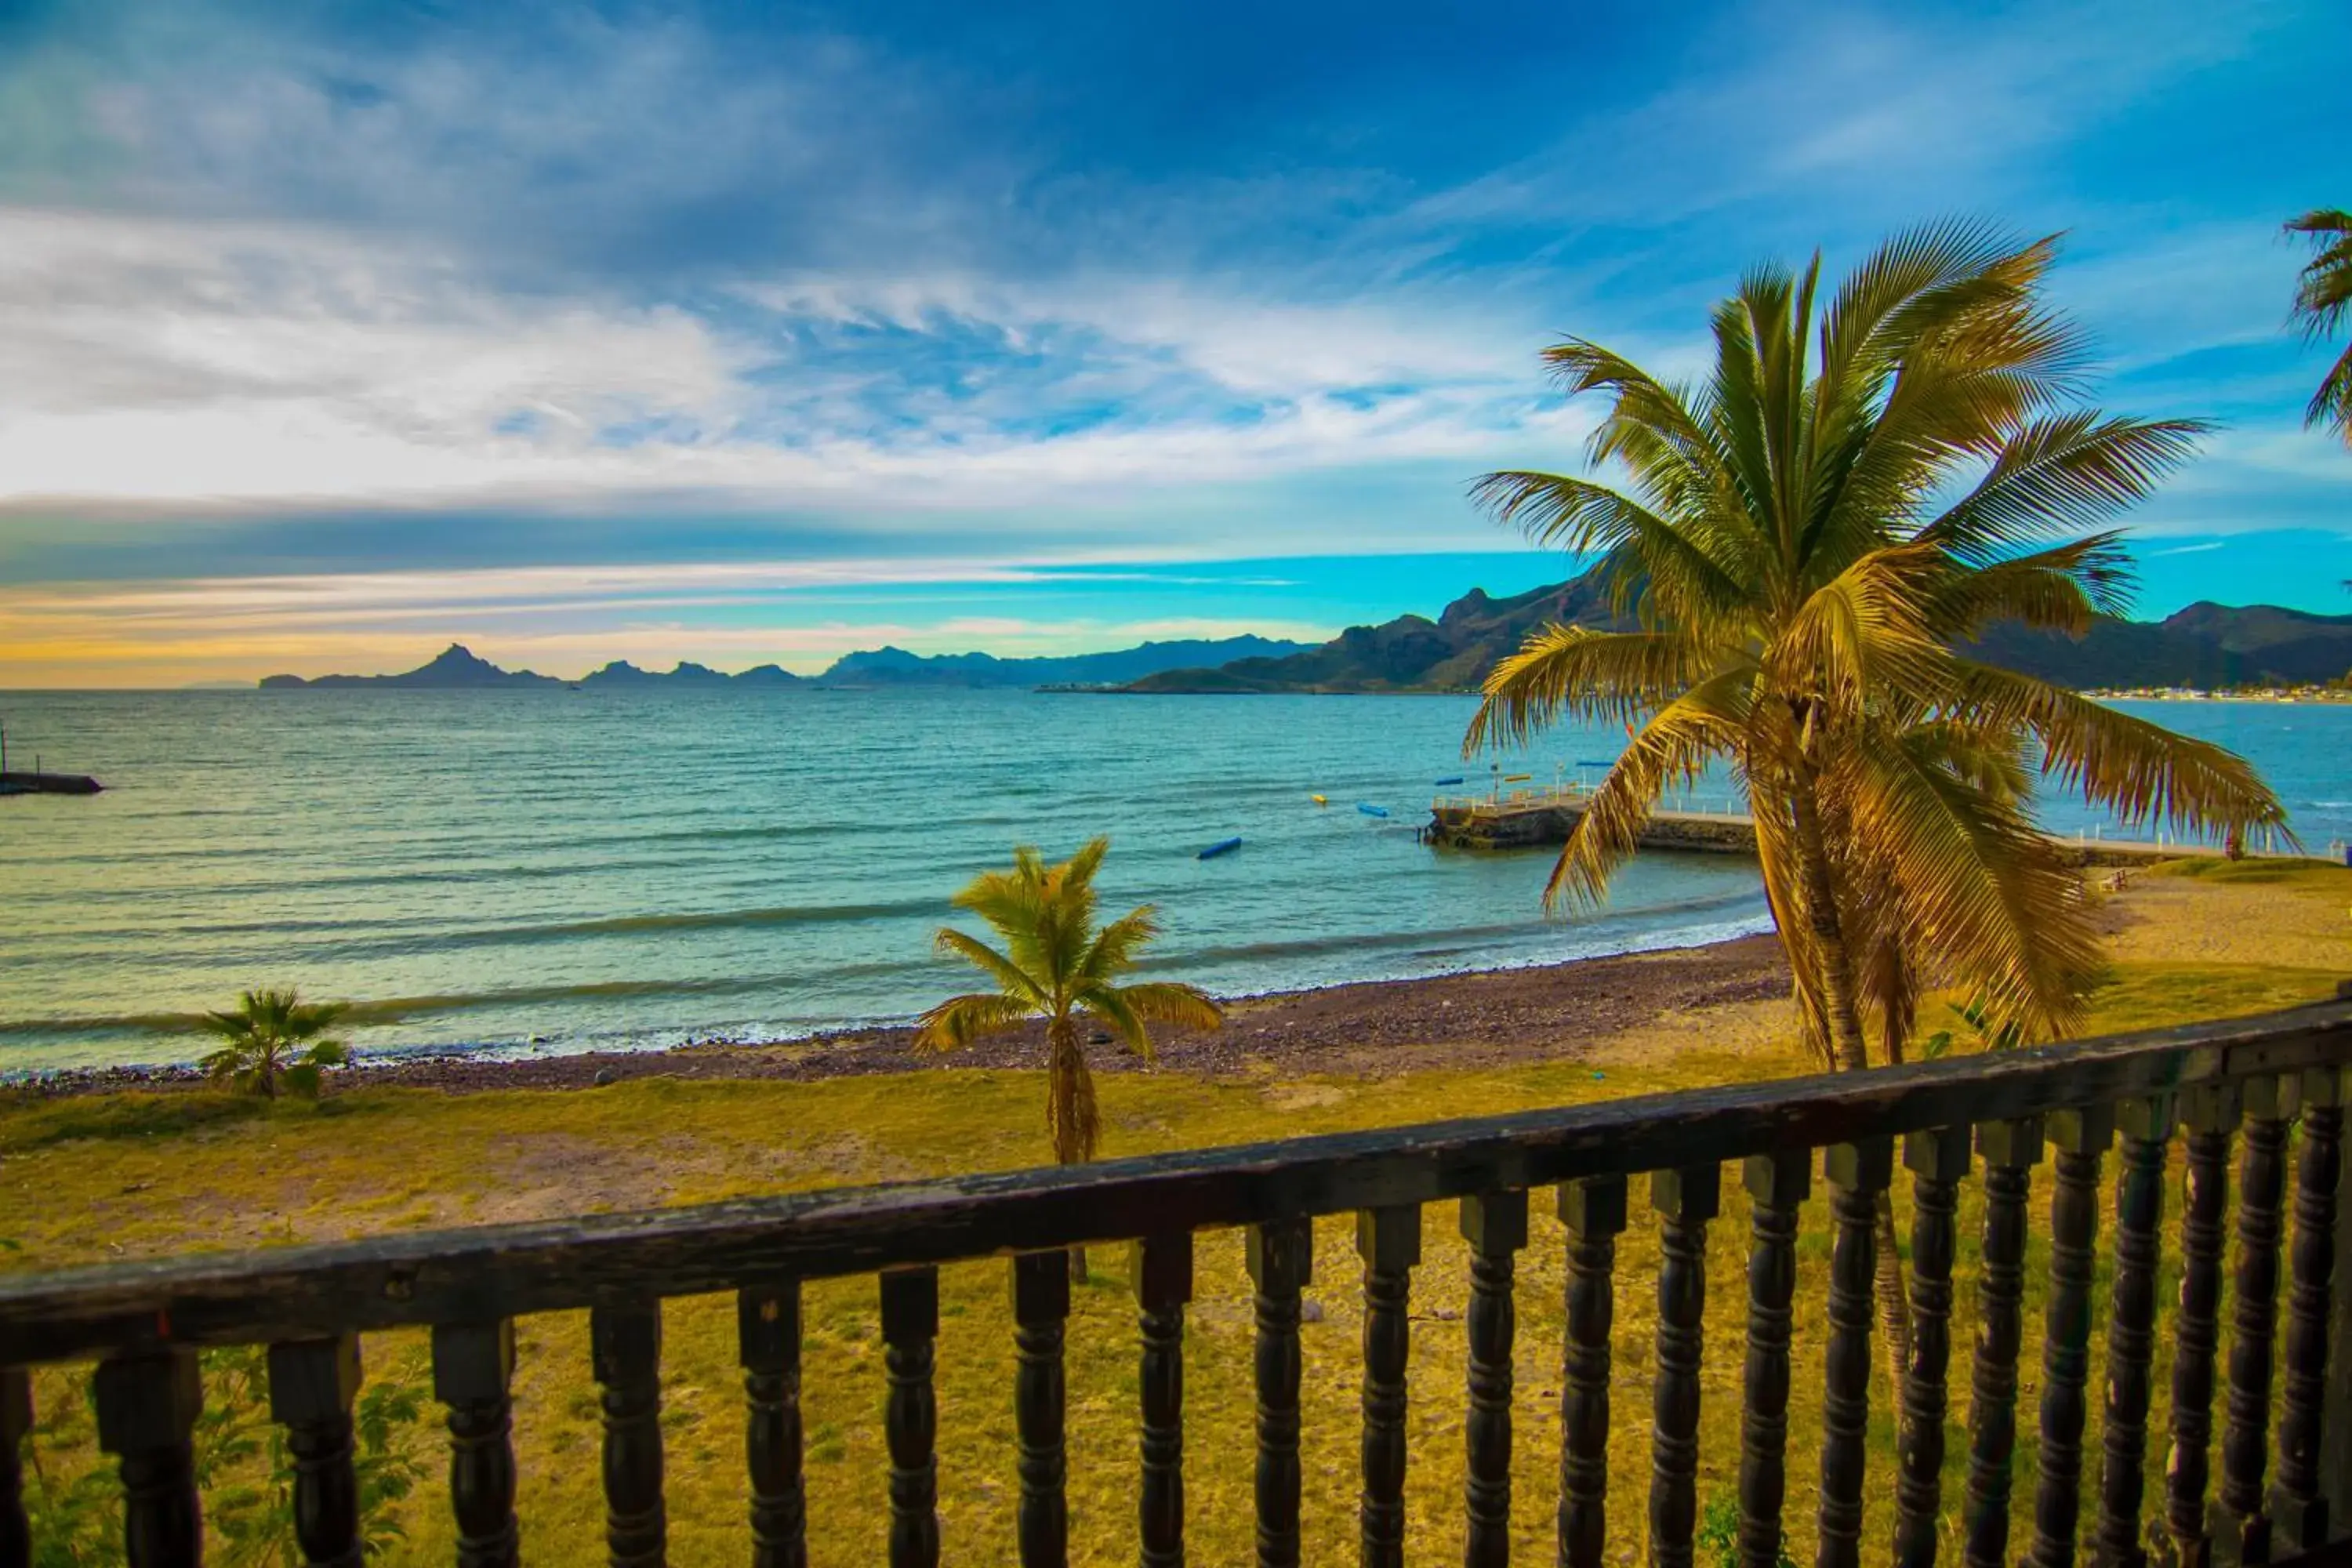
1476, 1018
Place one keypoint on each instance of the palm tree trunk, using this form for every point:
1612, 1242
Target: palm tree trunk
1852, 1054
1070, 1113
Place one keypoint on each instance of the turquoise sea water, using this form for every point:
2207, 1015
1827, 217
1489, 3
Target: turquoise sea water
555, 872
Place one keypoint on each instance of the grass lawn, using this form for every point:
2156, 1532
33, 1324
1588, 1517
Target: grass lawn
128, 1176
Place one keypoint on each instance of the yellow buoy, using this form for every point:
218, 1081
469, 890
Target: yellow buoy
1318, 800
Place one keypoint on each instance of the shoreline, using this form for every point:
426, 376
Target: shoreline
1527, 1013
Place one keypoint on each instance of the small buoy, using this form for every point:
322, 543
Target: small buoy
1454, 779
1222, 846
1320, 800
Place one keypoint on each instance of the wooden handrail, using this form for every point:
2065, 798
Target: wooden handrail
497, 1271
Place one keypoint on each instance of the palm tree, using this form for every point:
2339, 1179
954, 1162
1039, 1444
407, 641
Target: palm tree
275, 1040
1811, 535
1058, 967
2322, 298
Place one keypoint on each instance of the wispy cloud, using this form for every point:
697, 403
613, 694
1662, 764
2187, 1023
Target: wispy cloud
653, 285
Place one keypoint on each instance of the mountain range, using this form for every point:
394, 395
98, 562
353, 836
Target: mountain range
458, 667
2205, 646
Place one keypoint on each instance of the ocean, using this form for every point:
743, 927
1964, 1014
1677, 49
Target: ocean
554, 871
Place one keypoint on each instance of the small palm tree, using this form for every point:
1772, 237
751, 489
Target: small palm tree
275, 1041
1059, 967
2322, 297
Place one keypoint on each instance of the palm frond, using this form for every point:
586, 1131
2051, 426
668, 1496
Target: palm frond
1674, 747
961, 1020
2061, 475
2141, 771
1573, 671
1114, 948
1010, 979
1169, 1002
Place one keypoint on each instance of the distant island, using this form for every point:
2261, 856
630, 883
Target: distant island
2205, 646
459, 668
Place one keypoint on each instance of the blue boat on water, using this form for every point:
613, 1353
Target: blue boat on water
1222, 846
1454, 779
1371, 810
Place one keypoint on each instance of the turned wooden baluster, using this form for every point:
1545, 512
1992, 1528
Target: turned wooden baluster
768, 1343
1041, 1304
2241, 1530
910, 1321
1495, 1225
1281, 1263
1388, 1241
2297, 1511
473, 1369
2010, 1150
1594, 1213
2081, 1138
147, 1407
1778, 1183
2209, 1113
1685, 1200
1858, 1172
311, 1385
2147, 1128
1938, 1161
1160, 1271
15, 1421
625, 1349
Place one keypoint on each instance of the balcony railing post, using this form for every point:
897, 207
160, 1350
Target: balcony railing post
1388, 1241
1858, 1172
473, 1369
2297, 1510
2146, 1127
1160, 1271
147, 1410
910, 1324
1041, 1304
1776, 1184
1594, 1213
1495, 1225
2081, 1138
2210, 1113
625, 1347
2010, 1150
1685, 1200
311, 1385
768, 1341
1281, 1263
1938, 1161
2241, 1530
16, 1422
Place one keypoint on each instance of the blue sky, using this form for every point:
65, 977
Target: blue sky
764, 331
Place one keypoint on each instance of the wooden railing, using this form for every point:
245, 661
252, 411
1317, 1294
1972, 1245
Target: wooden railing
2229, 1091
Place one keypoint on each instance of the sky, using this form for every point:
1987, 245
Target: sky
331, 333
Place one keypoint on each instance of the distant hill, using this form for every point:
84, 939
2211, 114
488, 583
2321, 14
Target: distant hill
896, 667
2204, 645
1410, 653
458, 667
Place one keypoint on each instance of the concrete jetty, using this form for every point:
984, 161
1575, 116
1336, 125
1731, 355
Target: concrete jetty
48, 784
1529, 818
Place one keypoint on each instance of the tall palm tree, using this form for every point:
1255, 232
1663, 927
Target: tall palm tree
1811, 536
1057, 965
275, 1041
2322, 297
